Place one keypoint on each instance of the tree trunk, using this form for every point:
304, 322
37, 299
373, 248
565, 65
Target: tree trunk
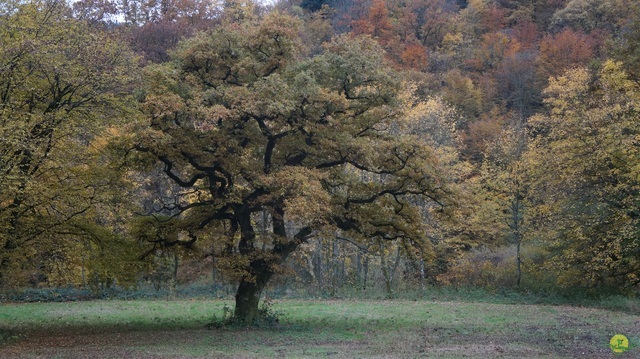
248, 295
334, 267
174, 274
261, 268
422, 273
365, 271
213, 267
518, 266
250, 289
385, 272
247, 300
516, 219
318, 266
358, 267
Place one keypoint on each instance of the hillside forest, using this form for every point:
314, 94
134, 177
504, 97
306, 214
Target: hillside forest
320, 146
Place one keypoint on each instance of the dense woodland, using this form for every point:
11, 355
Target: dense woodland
321, 145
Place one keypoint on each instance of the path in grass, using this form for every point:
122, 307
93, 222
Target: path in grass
335, 329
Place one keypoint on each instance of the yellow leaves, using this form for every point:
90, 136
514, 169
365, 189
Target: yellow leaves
494, 48
565, 92
282, 30
432, 120
211, 116
461, 92
452, 41
272, 97
239, 11
580, 162
305, 199
617, 83
63, 85
300, 144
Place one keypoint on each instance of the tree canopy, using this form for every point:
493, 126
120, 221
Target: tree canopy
588, 185
245, 123
61, 85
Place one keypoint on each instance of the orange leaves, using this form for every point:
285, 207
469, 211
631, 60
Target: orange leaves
494, 18
406, 30
414, 56
479, 135
379, 19
527, 34
565, 50
495, 47
376, 22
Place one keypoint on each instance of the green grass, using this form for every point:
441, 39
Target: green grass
117, 314
313, 328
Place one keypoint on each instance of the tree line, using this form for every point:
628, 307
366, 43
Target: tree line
422, 142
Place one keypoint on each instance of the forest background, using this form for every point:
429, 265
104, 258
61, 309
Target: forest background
320, 147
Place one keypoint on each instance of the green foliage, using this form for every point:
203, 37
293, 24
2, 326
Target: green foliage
626, 48
315, 5
59, 294
143, 291
266, 317
588, 15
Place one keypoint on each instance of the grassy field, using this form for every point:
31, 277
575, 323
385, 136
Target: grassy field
313, 329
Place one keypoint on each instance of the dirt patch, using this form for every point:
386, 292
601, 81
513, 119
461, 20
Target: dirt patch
93, 345
175, 344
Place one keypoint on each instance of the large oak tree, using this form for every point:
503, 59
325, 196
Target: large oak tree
247, 125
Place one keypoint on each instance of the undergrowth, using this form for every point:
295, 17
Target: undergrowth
267, 317
617, 302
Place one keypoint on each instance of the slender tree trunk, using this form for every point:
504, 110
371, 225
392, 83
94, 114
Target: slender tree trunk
311, 267
174, 280
388, 271
422, 273
365, 271
213, 267
518, 265
343, 269
385, 270
516, 219
335, 253
358, 266
318, 265
11, 245
518, 208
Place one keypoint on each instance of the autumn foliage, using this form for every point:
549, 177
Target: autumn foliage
331, 143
